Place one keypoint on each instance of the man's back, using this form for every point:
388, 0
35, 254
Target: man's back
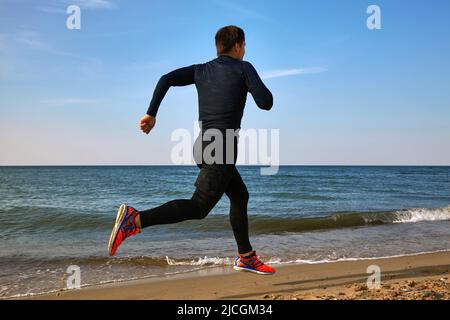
222, 86
222, 92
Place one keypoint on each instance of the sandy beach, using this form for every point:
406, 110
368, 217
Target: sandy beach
424, 276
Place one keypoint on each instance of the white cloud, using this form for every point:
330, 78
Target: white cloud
93, 4
52, 10
31, 39
291, 72
20, 40
26, 39
16, 46
86, 4
60, 102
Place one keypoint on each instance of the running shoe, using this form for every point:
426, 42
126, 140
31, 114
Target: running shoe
252, 264
124, 227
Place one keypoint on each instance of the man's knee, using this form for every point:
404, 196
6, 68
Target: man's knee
240, 197
245, 196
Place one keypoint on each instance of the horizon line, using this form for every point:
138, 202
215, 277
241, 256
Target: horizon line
237, 165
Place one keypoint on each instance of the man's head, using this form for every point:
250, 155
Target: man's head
230, 41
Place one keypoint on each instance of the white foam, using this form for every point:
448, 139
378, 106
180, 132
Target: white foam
201, 261
300, 261
422, 214
277, 260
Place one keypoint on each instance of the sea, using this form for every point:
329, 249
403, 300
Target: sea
57, 219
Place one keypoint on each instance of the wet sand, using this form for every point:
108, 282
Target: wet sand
424, 276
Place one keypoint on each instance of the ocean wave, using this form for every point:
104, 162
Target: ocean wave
258, 223
262, 224
422, 214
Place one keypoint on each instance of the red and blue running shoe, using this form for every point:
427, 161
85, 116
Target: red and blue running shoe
252, 264
125, 227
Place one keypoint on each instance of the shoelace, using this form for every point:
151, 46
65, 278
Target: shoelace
129, 226
255, 261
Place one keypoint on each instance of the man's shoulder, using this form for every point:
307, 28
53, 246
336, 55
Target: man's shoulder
247, 64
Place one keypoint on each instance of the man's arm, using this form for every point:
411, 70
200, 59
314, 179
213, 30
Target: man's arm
179, 77
262, 96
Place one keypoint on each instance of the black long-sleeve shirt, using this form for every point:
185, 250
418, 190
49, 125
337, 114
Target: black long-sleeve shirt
222, 86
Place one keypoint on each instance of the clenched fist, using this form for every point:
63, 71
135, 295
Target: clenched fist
147, 123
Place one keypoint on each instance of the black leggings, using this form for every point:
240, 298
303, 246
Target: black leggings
212, 182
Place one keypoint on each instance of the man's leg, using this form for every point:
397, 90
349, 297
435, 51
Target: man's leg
238, 195
210, 185
247, 259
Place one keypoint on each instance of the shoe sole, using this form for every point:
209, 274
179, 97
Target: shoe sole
120, 215
250, 270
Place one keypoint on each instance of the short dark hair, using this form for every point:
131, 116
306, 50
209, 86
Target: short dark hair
227, 37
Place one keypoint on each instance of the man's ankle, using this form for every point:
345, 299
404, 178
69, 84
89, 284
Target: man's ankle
247, 254
137, 221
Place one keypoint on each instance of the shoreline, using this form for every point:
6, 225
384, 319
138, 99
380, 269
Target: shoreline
401, 277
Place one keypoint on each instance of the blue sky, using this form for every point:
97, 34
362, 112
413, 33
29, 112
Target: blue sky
343, 94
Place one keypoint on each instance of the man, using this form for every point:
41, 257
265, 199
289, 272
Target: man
222, 86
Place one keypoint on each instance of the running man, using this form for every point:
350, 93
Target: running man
222, 85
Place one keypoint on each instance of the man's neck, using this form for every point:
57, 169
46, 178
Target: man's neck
228, 55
